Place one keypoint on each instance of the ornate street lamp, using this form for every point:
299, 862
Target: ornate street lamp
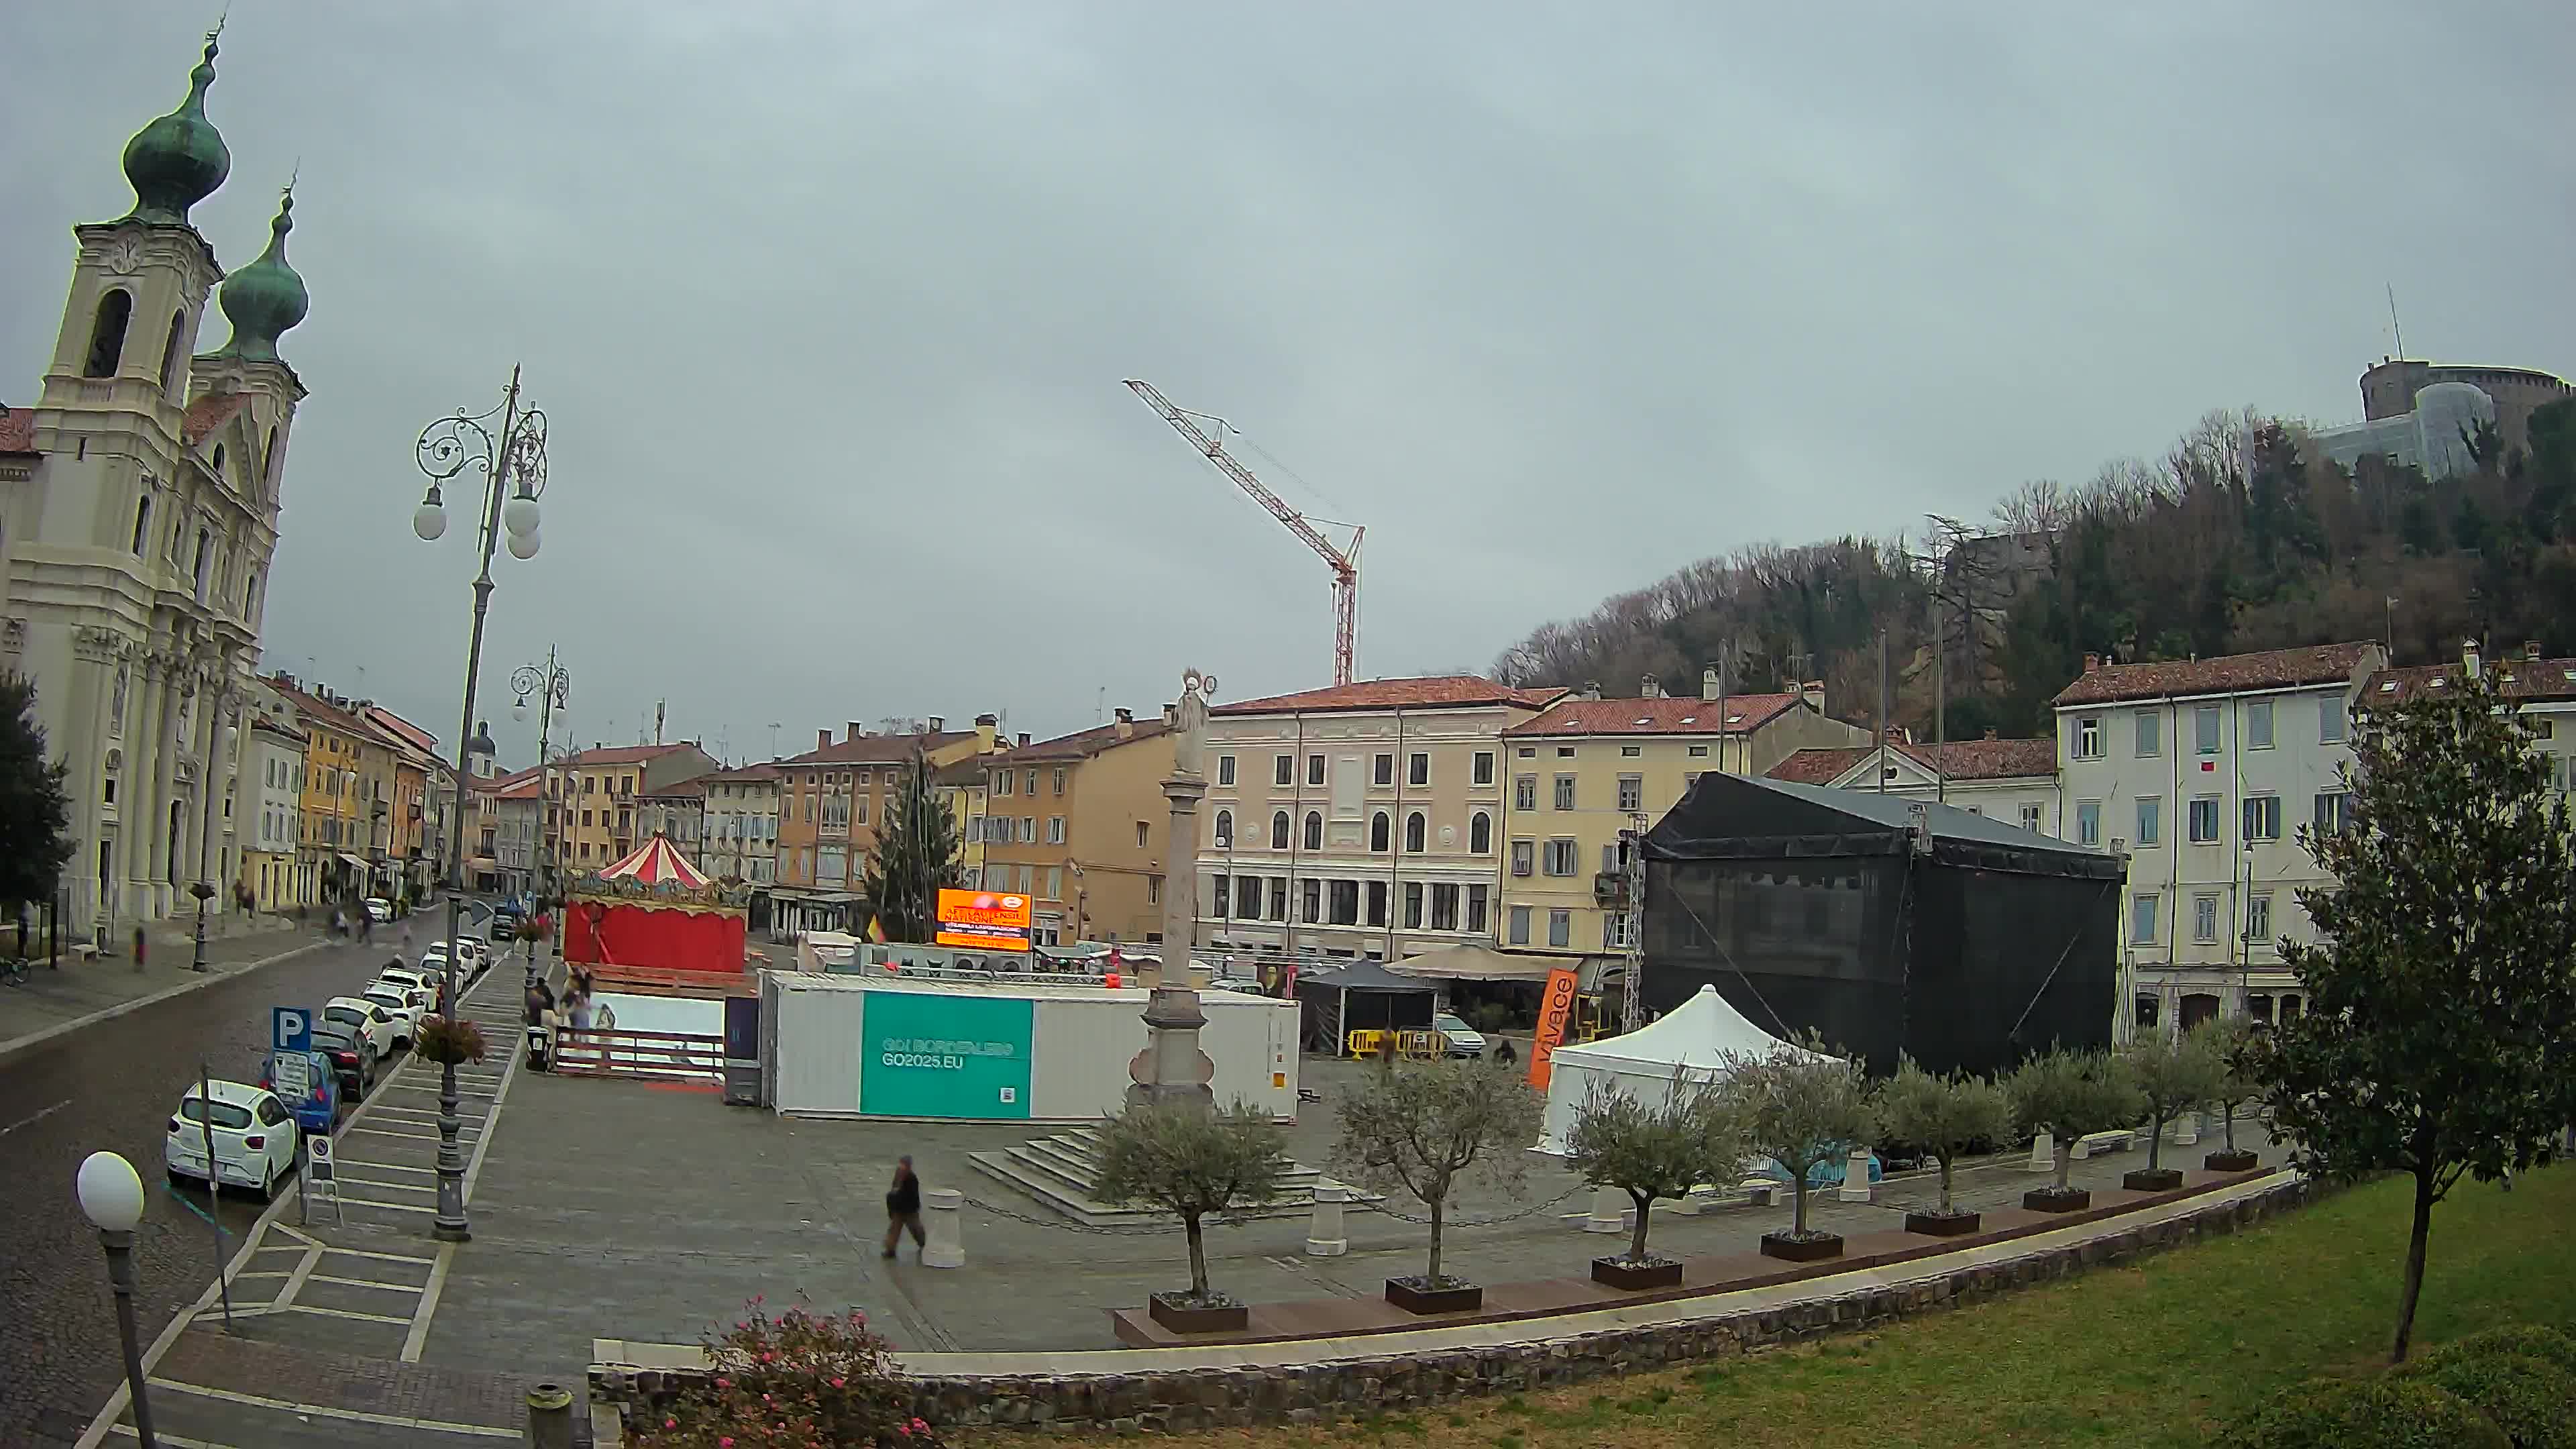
513, 459
552, 686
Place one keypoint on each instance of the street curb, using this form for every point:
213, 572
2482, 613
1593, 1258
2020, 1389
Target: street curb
16, 1045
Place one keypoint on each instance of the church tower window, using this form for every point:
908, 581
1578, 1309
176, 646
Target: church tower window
107, 334
170, 352
142, 523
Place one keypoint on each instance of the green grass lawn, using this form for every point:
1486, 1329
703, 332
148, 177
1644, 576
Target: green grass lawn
2155, 1353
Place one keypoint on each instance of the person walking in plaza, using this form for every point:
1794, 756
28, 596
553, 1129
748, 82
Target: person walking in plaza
903, 1209
138, 945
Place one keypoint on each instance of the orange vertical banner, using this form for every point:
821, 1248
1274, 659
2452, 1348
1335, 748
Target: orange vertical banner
1556, 1009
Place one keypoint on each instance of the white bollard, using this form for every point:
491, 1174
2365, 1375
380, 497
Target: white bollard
1856, 1186
1609, 1212
939, 1207
1325, 1236
2186, 1129
2043, 1153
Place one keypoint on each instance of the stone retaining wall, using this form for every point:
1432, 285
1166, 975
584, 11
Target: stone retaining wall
1304, 1393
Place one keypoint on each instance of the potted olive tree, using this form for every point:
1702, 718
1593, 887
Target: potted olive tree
1422, 1127
1941, 1117
2072, 1094
1801, 1107
2172, 1075
1193, 1164
2230, 1043
1695, 1134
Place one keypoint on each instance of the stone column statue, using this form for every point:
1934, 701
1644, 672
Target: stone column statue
1172, 1069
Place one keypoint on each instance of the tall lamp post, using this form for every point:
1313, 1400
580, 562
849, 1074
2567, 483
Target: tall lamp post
552, 686
111, 1197
221, 741
514, 456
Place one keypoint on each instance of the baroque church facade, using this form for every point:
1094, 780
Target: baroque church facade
138, 517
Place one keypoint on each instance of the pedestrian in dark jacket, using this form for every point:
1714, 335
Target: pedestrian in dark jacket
903, 1209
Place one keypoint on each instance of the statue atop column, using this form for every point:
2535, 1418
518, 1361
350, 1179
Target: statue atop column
1190, 722
1172, 1069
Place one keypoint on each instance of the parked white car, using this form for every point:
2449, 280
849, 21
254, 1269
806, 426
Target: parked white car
471, 955
1464, 1040
359, 1014
422, 986
379, 909
397, 1002
254, 1139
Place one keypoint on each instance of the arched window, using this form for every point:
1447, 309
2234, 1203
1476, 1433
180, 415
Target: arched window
1413, 827
107, 334
1480, 833
219, 460
205, 554
170, 352
142, 523
268, 459
1279, 831
1314, 830
1378, 831
250, 609
1225, 827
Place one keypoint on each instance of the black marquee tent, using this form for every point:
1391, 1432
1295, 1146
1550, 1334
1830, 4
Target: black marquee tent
1887, 925
1353, 995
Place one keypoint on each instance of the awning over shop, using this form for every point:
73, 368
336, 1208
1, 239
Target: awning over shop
352, 861
1478, 963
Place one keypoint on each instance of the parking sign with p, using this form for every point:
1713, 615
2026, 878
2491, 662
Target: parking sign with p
290, 1029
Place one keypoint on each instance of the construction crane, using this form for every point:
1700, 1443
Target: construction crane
1345, 561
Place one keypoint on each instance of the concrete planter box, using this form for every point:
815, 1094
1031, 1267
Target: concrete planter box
1175, 1312
1620, 1273
1415, 1296
2237, 1161
2050, 1200
2152, 1179
1802, 1250
1941, 1225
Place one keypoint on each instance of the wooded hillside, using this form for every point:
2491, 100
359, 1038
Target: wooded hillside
2240, 537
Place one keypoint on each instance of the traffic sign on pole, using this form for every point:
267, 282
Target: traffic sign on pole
290, 1029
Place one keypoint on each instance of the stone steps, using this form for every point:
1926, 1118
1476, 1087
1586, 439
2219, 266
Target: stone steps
1063, 1172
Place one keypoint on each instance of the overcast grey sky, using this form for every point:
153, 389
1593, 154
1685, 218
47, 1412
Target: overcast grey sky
830, 303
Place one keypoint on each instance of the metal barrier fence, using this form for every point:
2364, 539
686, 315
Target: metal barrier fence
654, 1056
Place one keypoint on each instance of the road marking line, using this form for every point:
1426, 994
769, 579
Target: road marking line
39, 1117
391, 1207
389, 1167
395, 1186
367, 1283
339, 1313
216, 1314
175, 1441
302, 1240
421, 1312
406, 1136
295, 1280
380, 1257
264, 1273
332, 1411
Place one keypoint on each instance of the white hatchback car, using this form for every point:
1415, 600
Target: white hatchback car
421, 985
361, 1015
254, 1139
398, 1004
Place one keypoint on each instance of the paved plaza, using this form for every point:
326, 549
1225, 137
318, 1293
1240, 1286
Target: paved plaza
651, 1213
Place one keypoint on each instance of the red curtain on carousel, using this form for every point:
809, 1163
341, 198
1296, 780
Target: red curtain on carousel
601, 934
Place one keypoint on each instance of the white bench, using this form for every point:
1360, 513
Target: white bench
2102, 1142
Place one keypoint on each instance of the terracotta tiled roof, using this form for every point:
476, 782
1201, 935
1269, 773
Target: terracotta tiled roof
321, 709
523, 786
1959, 760
745, 775
275, 728
209, 413
878, 749
1081, 744
1450, 691
2520, 678
616, 755
1664, 716
696, 786
2271, 669
17, 430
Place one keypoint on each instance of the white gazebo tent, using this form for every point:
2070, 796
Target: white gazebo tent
1691, 1041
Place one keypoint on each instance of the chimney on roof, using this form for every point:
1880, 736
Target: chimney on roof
854, 731
988, 728
1649, 687
1592, 689
1024, 739
1127, 721
2092, 661
822, 739
2469, 657
1708, 683
939, 724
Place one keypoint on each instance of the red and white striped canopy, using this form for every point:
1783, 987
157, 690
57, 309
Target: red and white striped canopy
655, 862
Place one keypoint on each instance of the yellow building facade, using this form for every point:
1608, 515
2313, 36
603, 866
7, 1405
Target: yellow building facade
1584, 770
1081, 826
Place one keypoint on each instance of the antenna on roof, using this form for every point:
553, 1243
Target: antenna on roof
2399, 332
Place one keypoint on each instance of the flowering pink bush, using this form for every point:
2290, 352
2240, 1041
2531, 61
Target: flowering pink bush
799, 1380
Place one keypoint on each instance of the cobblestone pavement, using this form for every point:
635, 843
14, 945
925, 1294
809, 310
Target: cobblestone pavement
337, 1291
75, 990
112, 1084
